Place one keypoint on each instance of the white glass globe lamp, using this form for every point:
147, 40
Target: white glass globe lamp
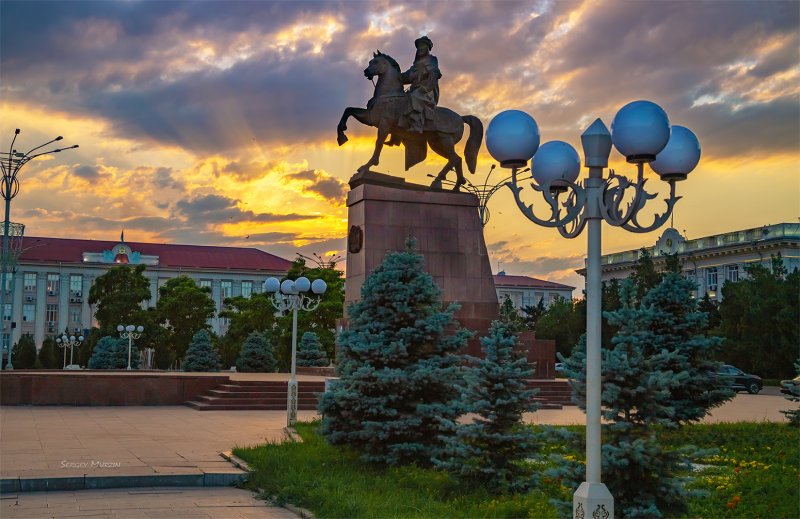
319, 286
640, 130
272, 285
287, 287
557, 163
302, 284
140, 329
130, 328
679, 157
512, 138
120, 328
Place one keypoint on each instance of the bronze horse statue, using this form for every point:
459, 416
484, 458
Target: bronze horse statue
388, 108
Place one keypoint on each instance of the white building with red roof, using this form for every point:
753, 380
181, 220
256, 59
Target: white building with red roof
50, 287
527, 291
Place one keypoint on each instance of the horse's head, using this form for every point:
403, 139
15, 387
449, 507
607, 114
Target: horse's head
380, 64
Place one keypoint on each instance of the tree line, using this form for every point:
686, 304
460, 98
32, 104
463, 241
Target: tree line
756, 319
183, 308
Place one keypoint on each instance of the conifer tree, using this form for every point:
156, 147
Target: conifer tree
49, 354
398, 367
655, 374
490, 449
794, 396
24, 353
202, 355
112, 353
256, 355
309, 352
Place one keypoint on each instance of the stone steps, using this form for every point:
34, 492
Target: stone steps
257, 395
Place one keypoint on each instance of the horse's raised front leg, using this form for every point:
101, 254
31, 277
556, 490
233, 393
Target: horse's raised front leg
361, 114
383, 132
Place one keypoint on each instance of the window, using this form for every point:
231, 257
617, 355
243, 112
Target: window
247, 288
7, 312
75, 315
226, 289
9, 281
224, 321
204, 283
52, 284
76, 284
733, 273
689, 274
30, 281
28, 313
538, 297
6, 341
711, 278
51, 313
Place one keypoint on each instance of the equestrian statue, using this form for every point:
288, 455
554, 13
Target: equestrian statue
412, 118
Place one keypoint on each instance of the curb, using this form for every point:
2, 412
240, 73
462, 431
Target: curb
85, 482
100, 482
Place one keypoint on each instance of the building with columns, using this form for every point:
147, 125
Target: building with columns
711, 261
50, 287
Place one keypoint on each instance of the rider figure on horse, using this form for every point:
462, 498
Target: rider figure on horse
423, 76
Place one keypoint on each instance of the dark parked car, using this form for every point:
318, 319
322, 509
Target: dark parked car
791, 387
739, 380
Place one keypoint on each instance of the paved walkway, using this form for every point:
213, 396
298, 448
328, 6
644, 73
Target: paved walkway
43, 441
165, 503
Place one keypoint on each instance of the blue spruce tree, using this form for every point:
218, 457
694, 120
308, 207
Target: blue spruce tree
793, 395
112, 353
398, 367
309, 352
202, 355
655, 375
256, 355
490, 451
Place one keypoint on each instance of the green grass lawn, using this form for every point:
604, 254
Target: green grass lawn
755, 473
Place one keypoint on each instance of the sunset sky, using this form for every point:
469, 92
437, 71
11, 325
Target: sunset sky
215, 122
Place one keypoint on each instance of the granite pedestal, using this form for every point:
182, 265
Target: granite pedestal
383, 211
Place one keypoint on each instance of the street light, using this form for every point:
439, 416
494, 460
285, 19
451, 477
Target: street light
11, 163
642, 133
292, 295
70, 342
130, 332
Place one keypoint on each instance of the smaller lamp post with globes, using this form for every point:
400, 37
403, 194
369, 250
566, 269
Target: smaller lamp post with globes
642, 133
70, 342
130, 332
292, 295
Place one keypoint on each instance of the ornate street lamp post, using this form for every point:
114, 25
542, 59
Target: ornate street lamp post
70, 342
292, 295
642, 133
11, 163
130, 332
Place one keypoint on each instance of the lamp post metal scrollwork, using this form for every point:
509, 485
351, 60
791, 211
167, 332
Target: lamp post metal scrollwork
292, 295
130, 332
642, 133
70, 342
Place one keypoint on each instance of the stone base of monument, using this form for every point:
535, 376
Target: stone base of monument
383, 211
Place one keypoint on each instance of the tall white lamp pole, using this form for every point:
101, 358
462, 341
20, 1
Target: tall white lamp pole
70, 342
130, 332
641, 132
292, 295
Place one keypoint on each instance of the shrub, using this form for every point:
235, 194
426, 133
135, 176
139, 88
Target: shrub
112, 353
397, 394
50, 355
490, 450
309, 352
202, 355
256, 355
24, 353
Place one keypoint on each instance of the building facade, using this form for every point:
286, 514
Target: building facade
50, 288
526, 291
711, 261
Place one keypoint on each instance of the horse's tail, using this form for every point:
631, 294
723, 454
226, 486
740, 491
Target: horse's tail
473, 142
